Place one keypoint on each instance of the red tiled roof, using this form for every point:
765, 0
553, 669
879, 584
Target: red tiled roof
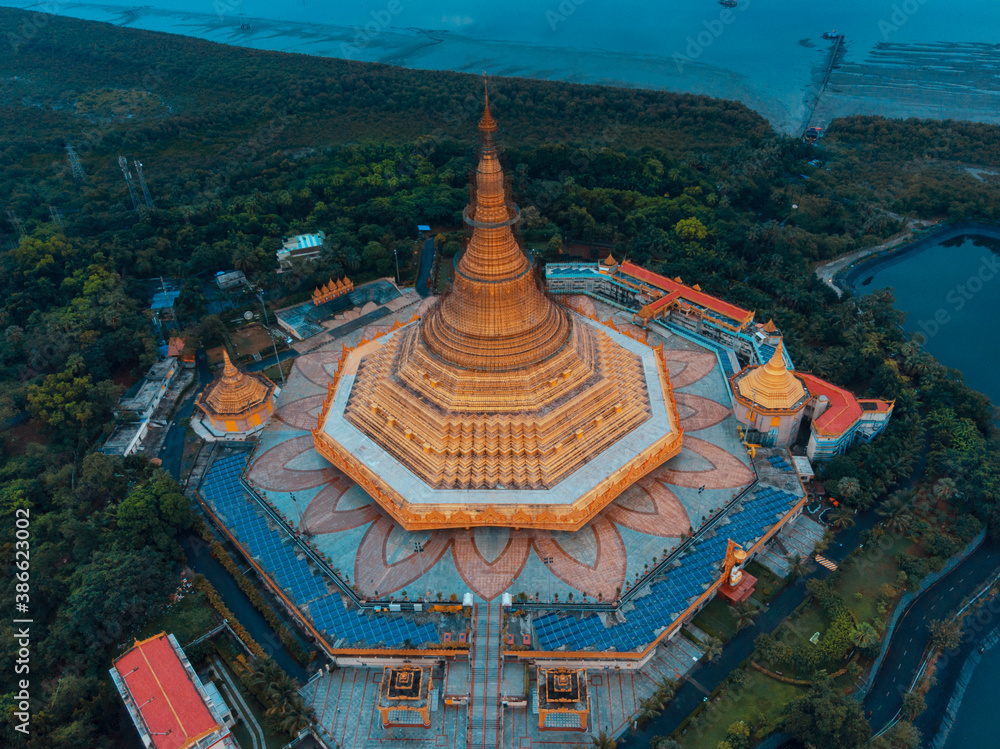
175, 347
171, 707
843, 410
700, 298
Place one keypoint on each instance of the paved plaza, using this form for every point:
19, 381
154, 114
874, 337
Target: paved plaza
596, 562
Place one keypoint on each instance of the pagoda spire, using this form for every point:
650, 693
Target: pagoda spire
496, 316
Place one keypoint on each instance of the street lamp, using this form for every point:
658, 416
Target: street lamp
419, 547
547, 561
395, 252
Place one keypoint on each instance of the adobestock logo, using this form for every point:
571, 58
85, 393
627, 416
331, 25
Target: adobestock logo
697, 44
960, 294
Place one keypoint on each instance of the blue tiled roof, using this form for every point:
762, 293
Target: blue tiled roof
670, 596
273, 551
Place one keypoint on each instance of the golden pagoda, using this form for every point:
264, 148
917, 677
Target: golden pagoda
772, 386
771, 399
499, 407
238, 401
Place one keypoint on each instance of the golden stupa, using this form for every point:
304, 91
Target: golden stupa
238, 401
772, 387
498, 397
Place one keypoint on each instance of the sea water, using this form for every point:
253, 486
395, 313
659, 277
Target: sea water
769, 54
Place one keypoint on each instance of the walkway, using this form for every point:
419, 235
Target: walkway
485, 715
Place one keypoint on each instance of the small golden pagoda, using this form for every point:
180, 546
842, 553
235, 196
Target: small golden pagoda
238, 401
772, 386
498, 398
771, 399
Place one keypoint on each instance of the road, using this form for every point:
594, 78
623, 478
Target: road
426, 263
172, 450
911, 637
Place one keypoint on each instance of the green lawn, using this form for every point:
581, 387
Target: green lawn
867, 574
188, 619
759, 701
768, 584
717, 619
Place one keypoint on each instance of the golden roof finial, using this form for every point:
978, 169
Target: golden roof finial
487, 125
228, 369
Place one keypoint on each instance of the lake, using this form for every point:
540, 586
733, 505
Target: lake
948, 284
900, 58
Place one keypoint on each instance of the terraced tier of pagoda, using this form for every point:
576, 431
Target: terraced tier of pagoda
498, 407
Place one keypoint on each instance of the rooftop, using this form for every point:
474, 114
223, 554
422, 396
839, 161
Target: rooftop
167, 701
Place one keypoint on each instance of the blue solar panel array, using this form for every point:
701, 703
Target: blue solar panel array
222, 490
780, 463
671, 595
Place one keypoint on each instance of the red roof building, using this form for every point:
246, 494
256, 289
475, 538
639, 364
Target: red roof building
680, 293
167, 701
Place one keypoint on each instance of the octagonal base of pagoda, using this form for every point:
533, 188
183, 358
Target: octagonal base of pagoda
566, 506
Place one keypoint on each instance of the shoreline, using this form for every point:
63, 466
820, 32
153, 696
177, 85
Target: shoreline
842, 273
811, 84
969, 667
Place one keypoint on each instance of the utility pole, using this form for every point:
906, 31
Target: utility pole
15, 222
260, 296
74, 164
123, 163
142, 183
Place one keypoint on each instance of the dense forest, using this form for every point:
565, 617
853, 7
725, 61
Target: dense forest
242, 147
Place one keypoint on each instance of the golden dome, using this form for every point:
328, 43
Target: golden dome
236, 392
770, 327
772, 386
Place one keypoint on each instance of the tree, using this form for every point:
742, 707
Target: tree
849, 488
602, 741
663, 742
944, 489
713, 649
842, 518
825, 719
865, 636
745, 612
913, 704
153, 513
797, 566
690, 230
945, 634
377, 256
69, 402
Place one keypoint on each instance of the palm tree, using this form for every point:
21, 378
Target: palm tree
666, 689
744, 611
797, 566
849, 488
263, 673
295, 717
649, 709
944, 489
864, 636
897, 512
842, 518
713, 648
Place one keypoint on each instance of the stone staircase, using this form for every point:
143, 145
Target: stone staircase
485, 712
798, 537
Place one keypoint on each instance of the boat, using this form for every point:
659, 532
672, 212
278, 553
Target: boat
831, 35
